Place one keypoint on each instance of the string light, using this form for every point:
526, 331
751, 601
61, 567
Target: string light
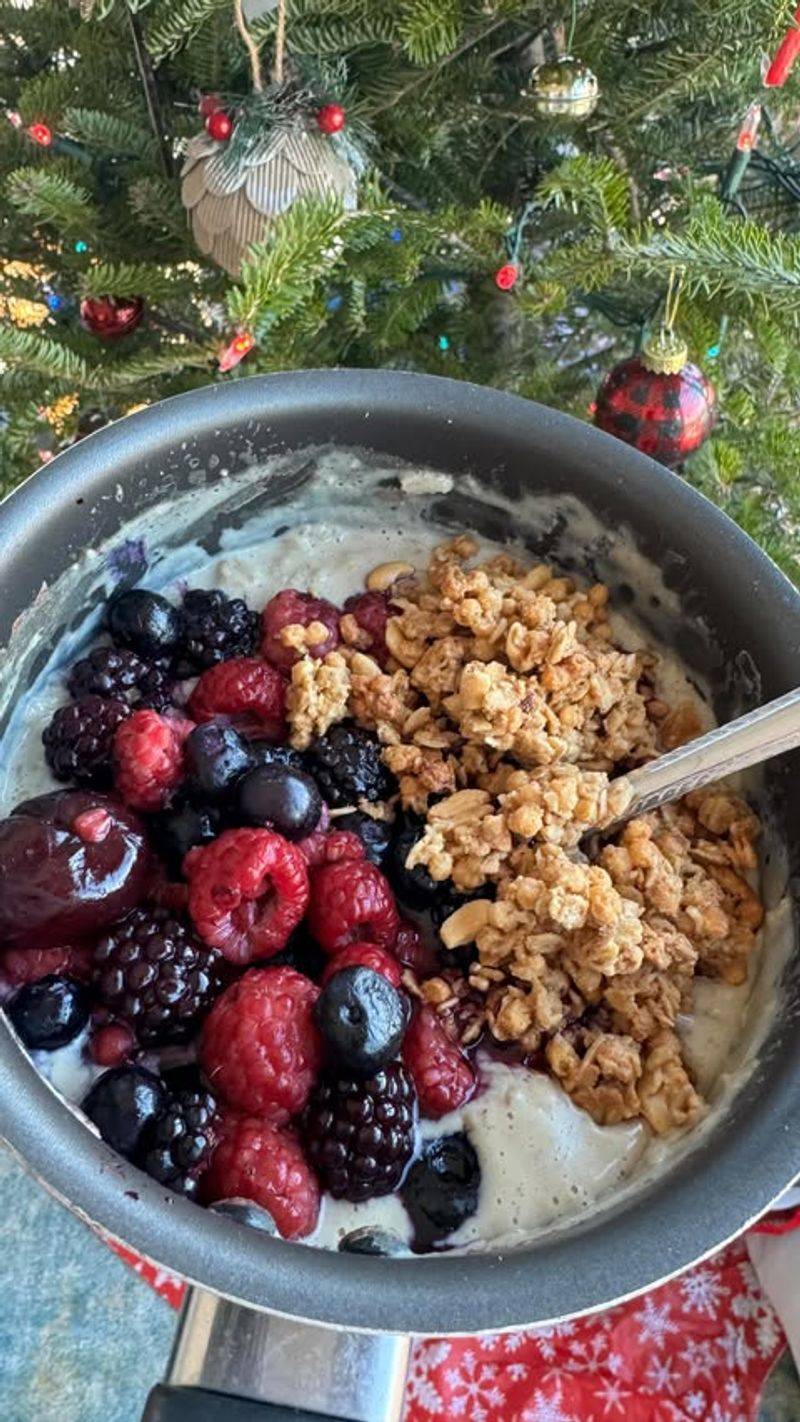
443, 343
334, 302
54, 301
748, 132
236, 350
40, 133
396, 234
81, 246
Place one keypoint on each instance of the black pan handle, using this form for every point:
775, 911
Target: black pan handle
196, 1404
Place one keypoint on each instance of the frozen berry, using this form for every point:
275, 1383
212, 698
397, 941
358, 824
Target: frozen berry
154, 973
347, 766
244, 1212
248, 891
302, 954
342, 844
182, 827
261, 1049
28, 965
79, 741
375, 835
55, 886
265, 753
179, 1143
112, 1044
145, 622
362, 1019
441, 1189
149, 758
118, 673
124, 1103
414, 887
313, 846
242, 687
256, 1161
360, 1134
291, 608
352, 901
216, 757
278, 796
413, 952
379, 1243
364, 955
49, 1013
371, 611
442, 1075
215, 628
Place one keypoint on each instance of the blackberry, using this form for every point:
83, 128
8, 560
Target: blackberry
360, 1135
180, 1141
347, 766
153, 972
216, 628
118, 673
79, 740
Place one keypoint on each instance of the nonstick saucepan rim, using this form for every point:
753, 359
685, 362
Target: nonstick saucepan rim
706, 1199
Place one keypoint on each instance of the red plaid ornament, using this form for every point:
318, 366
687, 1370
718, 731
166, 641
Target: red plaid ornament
658, 401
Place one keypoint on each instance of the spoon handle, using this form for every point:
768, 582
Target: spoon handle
761, 734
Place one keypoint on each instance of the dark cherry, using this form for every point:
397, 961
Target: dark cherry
145, 622
59, 878
375, 835
380, 1243
441, 1189
181, 828
49, 1013
216, 758
362, 1018
244, 1212
282, 797
124, 1103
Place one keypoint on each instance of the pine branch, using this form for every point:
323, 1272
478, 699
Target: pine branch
281, 272
108, 133
132, 279
40, 354
177, 23
46, 196
429, 29
593, 189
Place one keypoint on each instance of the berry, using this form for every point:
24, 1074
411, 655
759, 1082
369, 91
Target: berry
245, 1213
247, 892
112, 1044
255, 1161
442, 1075
145, 622
362, 1019
118, 673
149, 758
352, 901
380, 1243
208, 104
342, 845
152, 972
28, 965
181, 828
79, 741
291, 608
49, 1013
181, 1140
264, 753
347, 766
124, 1103
372, 612
375, 835
281, 797
260, 1047
359, 1135
364, 955
216, 756
242, 686
219, 126
441, 1189
506, 276
56, 887
313, 846
414, 887
215, 628
413, 952
330, 118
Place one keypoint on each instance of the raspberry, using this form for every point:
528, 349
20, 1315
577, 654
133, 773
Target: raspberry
148, 755
112, 1044
347, 767
342, 845
116, 672
27, 965
79, 741
290, 608
363, 955
254, 1161
442, 1075
242, 686
312, 847
152, 972
260, 1048
215, 629
372, 612
360, 1135
181, 1140
247, 891
352, 900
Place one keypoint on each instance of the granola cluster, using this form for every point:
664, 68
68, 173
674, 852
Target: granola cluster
509, 719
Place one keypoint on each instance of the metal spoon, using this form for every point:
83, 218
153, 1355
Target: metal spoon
751, 739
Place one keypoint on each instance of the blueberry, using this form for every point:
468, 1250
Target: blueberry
246, 1213
124, 1103
49, 1013
375, 835
441, 1189
377, 1242
279, 796
303, 954
216, 757
181, 828
414, 887
145, 622
264, 753
362, 1018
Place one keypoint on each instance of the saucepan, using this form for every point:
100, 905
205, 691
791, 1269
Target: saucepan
272, 1327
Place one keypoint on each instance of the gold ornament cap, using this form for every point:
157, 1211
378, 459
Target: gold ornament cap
664, 352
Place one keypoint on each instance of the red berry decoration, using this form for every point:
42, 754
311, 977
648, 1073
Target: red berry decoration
208, 105
364, 955
111, 317
506, 276
261, 1049
219, 125
291, 608
248, 890
242, 686
442, 1075
148, 758
658, 402
254, 1161
351, 901
330, 118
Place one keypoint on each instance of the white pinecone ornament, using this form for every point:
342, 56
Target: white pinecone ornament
233, 197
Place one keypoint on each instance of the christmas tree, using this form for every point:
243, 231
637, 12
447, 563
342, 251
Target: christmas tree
494, 190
